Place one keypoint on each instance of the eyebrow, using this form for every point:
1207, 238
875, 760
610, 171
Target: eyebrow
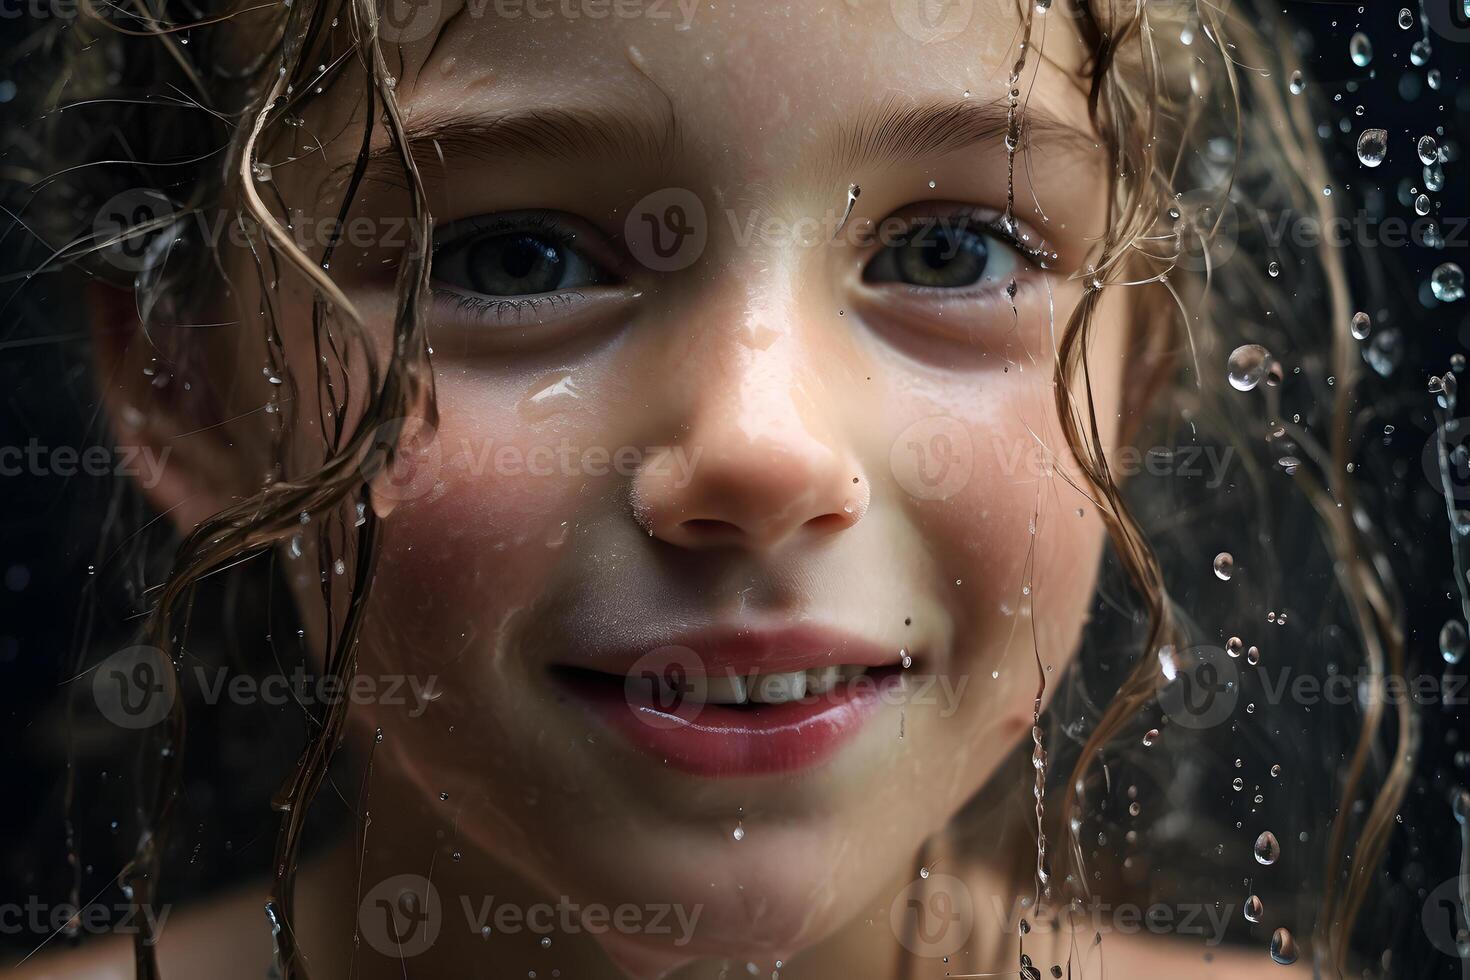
576, 134
895, 132
887, 134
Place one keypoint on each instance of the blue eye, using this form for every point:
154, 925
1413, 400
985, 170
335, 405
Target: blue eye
945, 253
515, 255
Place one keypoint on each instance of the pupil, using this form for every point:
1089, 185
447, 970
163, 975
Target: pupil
522, 254
944, 257
516, 265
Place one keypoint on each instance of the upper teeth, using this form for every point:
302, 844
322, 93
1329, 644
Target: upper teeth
734, 688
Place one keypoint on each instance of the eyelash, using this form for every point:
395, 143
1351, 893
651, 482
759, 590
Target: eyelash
546, 225
977, 219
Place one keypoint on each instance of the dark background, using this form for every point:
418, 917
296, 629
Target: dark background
64, 573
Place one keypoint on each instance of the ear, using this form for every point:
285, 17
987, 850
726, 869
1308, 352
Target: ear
169, 436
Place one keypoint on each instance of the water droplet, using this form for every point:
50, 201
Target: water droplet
1448, 283
1253, 656
1247, 366
1372, 147
1362, 325
1298, 84
1428, 149
1421, 204
551, 395
1434, 177
1233, 646
1452, 641
1254, 909
1406, 18
1150, 737
1283, 947
545, 942
1361, 49
1420, 51
1224, 566
923, 872
1384, 352
1266, 849
739, 833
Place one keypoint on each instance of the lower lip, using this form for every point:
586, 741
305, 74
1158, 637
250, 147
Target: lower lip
716, 740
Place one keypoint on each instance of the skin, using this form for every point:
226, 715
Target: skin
798, 389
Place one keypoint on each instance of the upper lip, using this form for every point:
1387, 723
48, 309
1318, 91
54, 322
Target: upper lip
744, 650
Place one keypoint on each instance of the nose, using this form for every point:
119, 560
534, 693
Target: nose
760, 467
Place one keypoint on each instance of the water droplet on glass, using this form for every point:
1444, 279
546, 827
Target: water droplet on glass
1361, 49
1362, 325
1420, 52
1150, 737
1448, 283
1372, 147
1266, 849
739, 833
1384, 352
1247, 366
1283, 947
1406, 18
1421, 204
1233, 646
1434, 177
1428, 149
1452, 641
1254, 909
1298, 84
1224, 566
1253, 656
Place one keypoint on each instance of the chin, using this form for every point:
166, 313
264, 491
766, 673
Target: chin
754, 900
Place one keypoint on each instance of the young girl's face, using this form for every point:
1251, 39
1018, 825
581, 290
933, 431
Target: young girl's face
699, 422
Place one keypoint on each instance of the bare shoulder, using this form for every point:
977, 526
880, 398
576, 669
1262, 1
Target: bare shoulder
225, 939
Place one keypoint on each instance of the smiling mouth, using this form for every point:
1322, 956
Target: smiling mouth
733, 690
740, 703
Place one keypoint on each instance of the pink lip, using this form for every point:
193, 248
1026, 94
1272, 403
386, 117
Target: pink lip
713, 740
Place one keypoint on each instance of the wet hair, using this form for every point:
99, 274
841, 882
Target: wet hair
1192, 106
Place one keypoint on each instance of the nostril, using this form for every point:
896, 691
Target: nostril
830, 523
708, 528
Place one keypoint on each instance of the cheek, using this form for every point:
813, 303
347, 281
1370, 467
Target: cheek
512, 476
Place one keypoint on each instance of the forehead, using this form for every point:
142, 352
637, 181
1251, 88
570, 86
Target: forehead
745, 83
